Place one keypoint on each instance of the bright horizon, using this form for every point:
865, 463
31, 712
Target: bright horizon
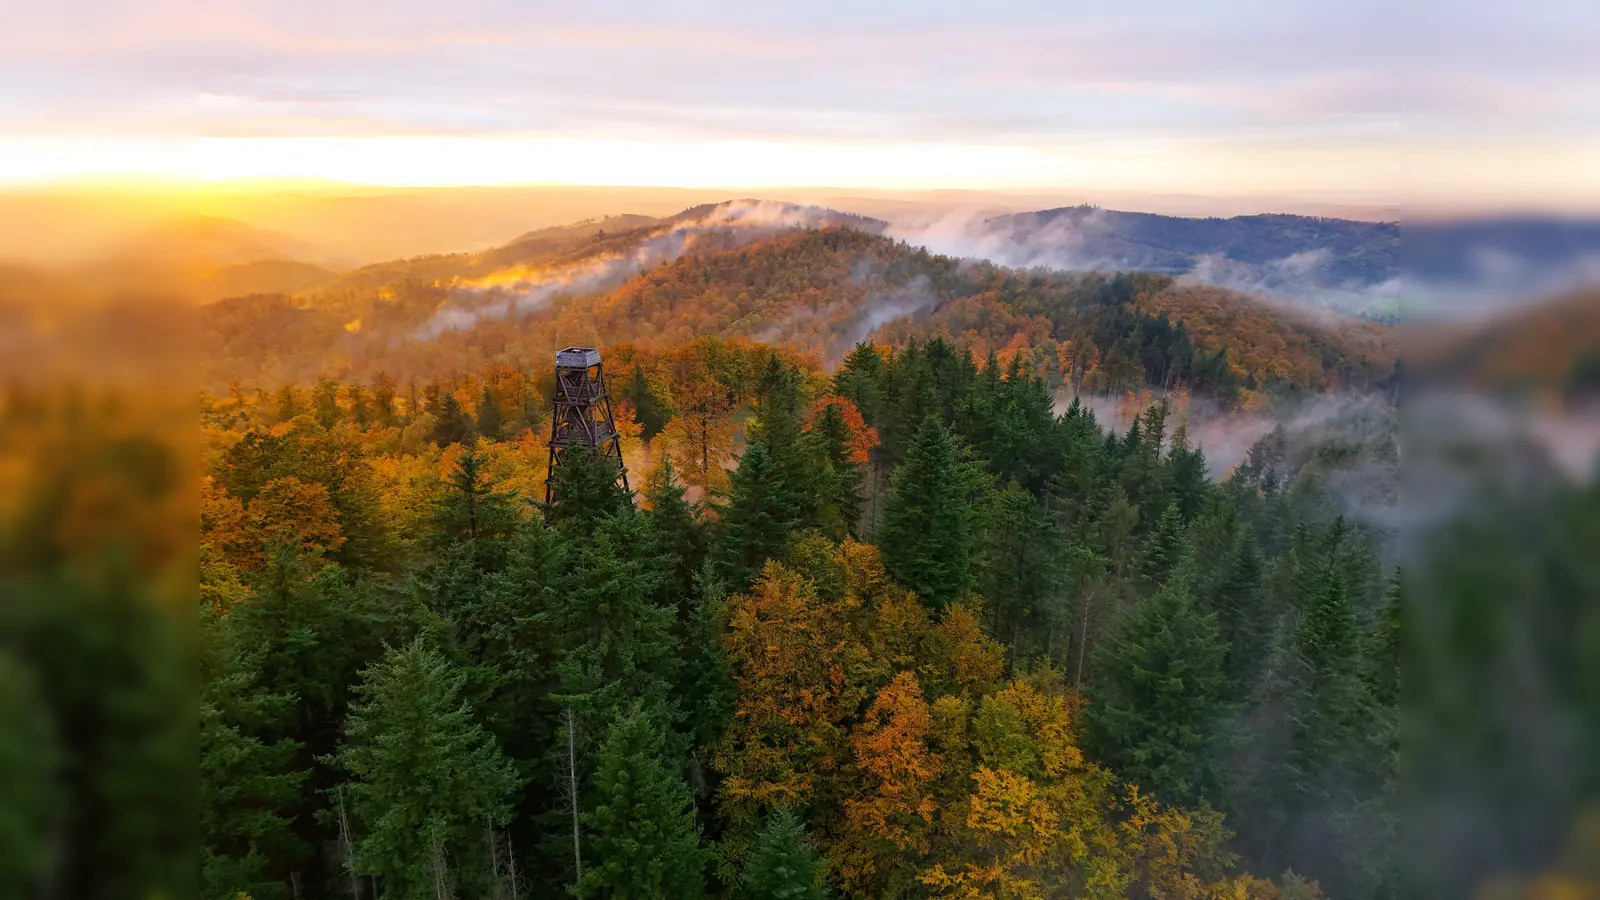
1243, 98
1364, 172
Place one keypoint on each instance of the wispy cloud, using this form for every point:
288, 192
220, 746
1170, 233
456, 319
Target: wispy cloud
1070, 80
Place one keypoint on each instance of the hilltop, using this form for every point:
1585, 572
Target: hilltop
809, 278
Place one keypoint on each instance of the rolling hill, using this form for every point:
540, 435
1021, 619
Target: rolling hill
809, 278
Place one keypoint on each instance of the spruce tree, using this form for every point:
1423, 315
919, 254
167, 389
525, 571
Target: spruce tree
587, 489
1024, 440
927, 532
704, 685
1159, 710
1022, 572
453, 426
616, 633
490, 421
1326, 680
1188, 483
427, 779
1239, 604
859, 380
510, 626
674, 528
641, 840
248, 786
782, 866
471, 507
652, 414
841, 481
1163, 548
795, 455
756, 522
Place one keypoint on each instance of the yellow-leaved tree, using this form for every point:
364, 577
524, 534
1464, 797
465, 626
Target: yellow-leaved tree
920, 772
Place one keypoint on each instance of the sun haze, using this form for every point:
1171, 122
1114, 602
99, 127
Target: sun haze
1269, 100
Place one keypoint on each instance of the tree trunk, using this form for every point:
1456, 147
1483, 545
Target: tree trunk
347, 846
1083, 642
572, 791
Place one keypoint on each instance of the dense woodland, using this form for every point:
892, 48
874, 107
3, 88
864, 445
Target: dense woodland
817, 290
896, 631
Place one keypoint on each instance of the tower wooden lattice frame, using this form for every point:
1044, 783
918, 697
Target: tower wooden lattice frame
581, 414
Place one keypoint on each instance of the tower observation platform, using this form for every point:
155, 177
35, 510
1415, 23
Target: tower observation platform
581, 415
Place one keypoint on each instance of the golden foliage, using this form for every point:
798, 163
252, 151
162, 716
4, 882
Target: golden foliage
292, 511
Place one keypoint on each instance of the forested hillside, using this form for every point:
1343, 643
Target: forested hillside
809, 279
895, 631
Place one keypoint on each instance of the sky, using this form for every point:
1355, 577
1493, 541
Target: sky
1367, 102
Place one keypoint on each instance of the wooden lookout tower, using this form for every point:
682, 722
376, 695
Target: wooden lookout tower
582, 414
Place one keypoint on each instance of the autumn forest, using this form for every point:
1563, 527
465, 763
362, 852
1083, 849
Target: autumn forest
895, 607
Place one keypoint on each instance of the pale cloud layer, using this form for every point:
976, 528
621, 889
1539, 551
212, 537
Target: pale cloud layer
1314, 95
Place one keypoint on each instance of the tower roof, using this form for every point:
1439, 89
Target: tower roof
577, 358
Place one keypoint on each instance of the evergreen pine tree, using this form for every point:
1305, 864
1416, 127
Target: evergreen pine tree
756, 522
642, 842
490, 421
1187, 480
587, 489
705, 686
309, 634
1163, 548
471, 508
1239, 604
651, 412
1022, 573
926, 536
782, 866
248, 786
508, 624
909, 398
841, 482
1326, 680
452, 426
617, 635
1159, 708
1024, 440
675, 529
795, 455
426, 778
859, 381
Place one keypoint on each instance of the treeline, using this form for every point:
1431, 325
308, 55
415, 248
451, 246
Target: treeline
903, 631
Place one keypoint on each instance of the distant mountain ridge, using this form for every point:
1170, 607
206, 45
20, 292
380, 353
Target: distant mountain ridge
1341, 264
